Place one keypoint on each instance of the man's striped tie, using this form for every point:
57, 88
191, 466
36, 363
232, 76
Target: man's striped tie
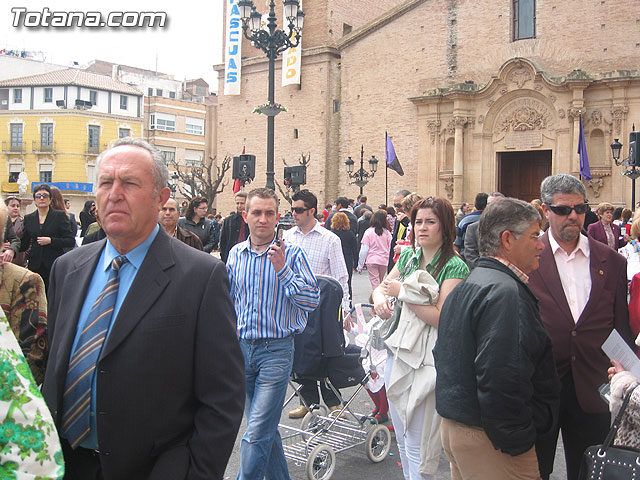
77, 393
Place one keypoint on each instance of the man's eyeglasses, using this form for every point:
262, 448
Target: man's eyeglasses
564, 210
300, 209
41, 195
397, 206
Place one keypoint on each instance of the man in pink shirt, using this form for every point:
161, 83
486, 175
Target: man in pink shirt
581, 285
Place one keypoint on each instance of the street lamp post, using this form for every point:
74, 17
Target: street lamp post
361, 177
632, 161
272, 42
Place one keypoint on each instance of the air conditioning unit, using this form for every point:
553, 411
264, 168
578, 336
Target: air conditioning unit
60, 104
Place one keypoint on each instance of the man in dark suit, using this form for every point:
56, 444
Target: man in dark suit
234, 228
471, 254
582, 289
158, 391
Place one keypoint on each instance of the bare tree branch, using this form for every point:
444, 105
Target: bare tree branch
202, 181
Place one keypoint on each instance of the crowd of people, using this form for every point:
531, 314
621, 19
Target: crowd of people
149, 350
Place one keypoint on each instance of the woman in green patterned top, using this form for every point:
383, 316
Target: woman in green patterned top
432, 238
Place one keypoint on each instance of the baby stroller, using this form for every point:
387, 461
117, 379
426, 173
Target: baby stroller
320, 355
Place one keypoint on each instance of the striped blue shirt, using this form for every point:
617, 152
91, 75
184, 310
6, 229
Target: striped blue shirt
270, 304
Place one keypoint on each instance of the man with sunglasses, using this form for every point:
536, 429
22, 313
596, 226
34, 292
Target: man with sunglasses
581, 285
324, 252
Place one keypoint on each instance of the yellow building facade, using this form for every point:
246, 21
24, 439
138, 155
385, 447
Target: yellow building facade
53, 127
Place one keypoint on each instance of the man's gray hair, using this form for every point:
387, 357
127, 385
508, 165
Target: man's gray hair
502, 215
560, 183
159, 170
402, 192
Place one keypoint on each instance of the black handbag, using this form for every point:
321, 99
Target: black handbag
608, 462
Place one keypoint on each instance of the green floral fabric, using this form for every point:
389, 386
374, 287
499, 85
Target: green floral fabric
29, 445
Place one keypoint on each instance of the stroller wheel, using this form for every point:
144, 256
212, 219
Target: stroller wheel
321, 410
321, 463
378, 443
311, 424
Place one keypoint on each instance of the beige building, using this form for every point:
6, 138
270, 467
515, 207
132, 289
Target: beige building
476, 95
179, 116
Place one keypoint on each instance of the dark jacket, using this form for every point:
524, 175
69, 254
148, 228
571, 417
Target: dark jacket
20, 258
191, 239
74, 228
353, 221
230, 231
86, 219
170, 378
395, 236
363, 225
56, 226
349, 247
94, 237
204, 229
494, 360
461, 230
471, 254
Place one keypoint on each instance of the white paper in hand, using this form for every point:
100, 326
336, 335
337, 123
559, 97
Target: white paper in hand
617, 349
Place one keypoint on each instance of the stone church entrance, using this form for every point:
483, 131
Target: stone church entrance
520, 173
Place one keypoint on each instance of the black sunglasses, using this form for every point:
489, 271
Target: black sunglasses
300, 209
565, 210
41, 195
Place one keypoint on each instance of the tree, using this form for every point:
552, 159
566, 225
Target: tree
305, 159
203, 181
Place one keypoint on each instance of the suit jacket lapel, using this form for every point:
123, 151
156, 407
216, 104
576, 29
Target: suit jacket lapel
597, 267
549, 272
71, 304
151, 280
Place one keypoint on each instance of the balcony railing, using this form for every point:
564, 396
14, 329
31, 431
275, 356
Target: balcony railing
95, 149
13, 147
39, 147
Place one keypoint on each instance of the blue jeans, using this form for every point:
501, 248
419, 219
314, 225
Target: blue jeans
267, 369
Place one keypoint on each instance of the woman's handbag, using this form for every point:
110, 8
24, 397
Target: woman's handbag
607, 462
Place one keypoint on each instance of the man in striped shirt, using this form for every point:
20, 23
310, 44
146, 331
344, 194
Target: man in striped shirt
274, 289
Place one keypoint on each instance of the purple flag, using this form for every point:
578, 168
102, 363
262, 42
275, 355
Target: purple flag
392, 159
585, 171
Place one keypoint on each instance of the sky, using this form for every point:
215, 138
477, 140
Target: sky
187, 47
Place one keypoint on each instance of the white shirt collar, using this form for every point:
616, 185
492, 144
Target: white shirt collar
583, 245
316, 228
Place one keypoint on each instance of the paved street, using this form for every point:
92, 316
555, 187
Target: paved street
354, 463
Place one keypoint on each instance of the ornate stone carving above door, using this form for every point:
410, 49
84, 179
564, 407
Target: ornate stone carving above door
525, 114
520, 76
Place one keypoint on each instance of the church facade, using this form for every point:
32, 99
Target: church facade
479, 95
